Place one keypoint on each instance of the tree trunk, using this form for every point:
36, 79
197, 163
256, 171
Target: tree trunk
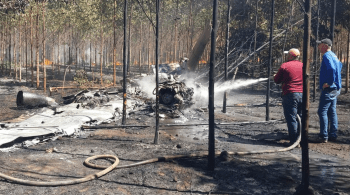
101, 46
175, 33
148, 50
44, 66
31, 47
26, 49
15, 53
95, 60
76, 57
189, 35
129, 40
20, 49
37, 50
347, 65
114, 44
1, 49
58, 54
140, 50
8, 68
101, 49
90, 53
53, 57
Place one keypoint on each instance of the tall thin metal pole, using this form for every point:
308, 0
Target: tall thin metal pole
226, 51
157, 76
316, 52
334, 6
211, 156
124, 61
270, 64
306, 93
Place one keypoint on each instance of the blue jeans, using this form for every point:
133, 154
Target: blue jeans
327, 110
291, 107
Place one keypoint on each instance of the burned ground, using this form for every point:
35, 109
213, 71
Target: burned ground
276, 173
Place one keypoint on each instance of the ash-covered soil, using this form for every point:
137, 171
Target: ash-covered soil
276, 173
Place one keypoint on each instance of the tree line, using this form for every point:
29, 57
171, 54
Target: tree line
88, 34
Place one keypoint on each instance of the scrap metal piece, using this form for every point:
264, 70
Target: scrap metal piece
26, 99
174, 92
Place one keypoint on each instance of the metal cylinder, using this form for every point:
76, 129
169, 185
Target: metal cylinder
27, 99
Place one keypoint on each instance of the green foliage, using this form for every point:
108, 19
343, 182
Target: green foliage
81, 78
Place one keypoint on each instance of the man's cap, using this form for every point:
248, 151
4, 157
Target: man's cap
294, 52
325, 41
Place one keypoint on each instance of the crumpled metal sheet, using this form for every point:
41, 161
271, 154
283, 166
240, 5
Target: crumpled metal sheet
69, 120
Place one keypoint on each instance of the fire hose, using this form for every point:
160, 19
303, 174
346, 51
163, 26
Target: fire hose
116, 162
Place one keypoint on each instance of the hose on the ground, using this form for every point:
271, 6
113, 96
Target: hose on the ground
116, 162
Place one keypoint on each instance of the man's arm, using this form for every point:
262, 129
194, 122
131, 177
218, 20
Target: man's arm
279, 76
330, 74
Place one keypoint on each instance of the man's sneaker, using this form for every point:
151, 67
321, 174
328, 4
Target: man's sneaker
332, 139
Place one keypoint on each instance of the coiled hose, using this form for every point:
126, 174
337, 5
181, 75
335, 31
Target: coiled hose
116, 162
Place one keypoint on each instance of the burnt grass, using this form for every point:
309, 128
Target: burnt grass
250, 174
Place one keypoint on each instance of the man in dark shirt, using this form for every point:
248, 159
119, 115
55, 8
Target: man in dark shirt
290, 74
330, 84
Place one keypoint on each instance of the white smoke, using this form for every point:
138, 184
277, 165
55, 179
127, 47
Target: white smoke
147, 85
201, 94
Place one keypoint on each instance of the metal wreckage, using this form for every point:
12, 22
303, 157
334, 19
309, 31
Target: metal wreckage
174, 93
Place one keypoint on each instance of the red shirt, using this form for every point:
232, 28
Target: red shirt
290, 75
